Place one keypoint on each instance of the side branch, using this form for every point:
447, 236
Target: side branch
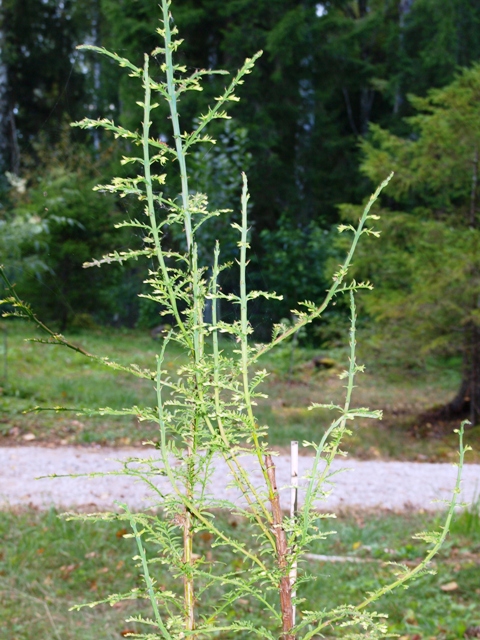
338, 280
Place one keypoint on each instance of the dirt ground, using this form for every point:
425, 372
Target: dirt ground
370, 484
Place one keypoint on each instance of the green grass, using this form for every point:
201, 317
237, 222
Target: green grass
53, 376
47, 565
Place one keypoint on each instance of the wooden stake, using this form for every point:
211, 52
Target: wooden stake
293, 513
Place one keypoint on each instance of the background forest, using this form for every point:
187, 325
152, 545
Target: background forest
345, 92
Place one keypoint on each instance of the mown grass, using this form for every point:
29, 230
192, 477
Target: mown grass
51, 376
47, 565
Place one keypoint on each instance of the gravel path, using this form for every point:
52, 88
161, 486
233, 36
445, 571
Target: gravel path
366, 484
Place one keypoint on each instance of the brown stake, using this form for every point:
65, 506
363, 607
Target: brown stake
282, 550
189, 596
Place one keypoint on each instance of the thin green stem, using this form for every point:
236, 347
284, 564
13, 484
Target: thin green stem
317, 481
150, 199
441, 539
172, 101
244, 335
197, 311
171, 476
422, 565
268, 468
146, 575
238, 472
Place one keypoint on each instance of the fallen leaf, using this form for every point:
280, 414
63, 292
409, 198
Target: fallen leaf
410, 617
356, 545
67, 569
449, 586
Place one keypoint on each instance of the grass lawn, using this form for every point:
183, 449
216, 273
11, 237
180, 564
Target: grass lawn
47, 565
52, 376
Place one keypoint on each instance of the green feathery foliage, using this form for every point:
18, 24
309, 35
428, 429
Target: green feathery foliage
207, 412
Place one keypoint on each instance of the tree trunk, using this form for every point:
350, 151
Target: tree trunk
366, 102
404, 8
9, 151
466, 403
4, 102
362, 8
96, 73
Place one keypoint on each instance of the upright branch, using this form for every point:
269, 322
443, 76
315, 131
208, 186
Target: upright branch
187, 524
170, 48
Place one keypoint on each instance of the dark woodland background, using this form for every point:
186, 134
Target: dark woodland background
345, 92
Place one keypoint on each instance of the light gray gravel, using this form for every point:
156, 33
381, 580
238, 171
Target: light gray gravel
366, 484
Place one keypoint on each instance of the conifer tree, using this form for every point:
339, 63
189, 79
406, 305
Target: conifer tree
428, 278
